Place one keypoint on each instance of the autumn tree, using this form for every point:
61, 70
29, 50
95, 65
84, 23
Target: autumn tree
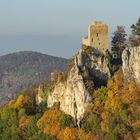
67, 134
20, 101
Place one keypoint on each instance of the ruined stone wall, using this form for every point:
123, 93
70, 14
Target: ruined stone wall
97, 36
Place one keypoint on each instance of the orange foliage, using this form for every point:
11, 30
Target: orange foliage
47, 129
110, 83
81, 134
136, 124
84, 136
129, 136
49, 122
51, 116
74, 134
105, 116
23, 122
89, 136
54, 130
110, 93
67, 134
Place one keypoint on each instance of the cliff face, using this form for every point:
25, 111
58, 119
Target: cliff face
74, 94
93, 61
131, 63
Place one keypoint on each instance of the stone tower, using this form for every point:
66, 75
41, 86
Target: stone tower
97, 36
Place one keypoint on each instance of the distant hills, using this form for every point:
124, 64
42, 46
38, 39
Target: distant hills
20, 70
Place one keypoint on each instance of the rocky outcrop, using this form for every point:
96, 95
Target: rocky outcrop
131, 64
93, 61
39, 96
73, 95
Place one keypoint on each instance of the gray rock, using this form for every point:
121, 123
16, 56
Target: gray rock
73, 95
131, 64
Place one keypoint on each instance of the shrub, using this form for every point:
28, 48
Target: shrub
86, 127
65, 120
102, 92
111, 136
50, 137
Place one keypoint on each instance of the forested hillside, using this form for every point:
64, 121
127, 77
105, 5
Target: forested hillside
113, 114
18, 71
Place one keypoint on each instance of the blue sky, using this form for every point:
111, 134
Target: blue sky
56, 27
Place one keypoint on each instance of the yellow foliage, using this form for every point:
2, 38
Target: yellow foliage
97, 104
110, 83
11, 104
107, 104
132, 86
110, 93
19, 102
115, 87
114, 104
104, 127
105, 116
67, 134
49, 122
47, 129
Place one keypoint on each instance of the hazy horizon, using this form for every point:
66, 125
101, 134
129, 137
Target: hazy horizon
57, 27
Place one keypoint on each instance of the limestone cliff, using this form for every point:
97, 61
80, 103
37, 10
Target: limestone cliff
39, 96
131, 63
74, 94
93, 61
71, 95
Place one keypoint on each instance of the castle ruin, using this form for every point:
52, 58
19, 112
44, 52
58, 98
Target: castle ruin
97, 36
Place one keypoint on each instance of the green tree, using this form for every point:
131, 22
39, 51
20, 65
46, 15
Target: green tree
86, 126
111, 136
136, 28
65, 120
119, 38
102, 92
134, 38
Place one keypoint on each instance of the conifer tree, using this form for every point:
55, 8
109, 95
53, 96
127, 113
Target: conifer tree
119, 38
134, 38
